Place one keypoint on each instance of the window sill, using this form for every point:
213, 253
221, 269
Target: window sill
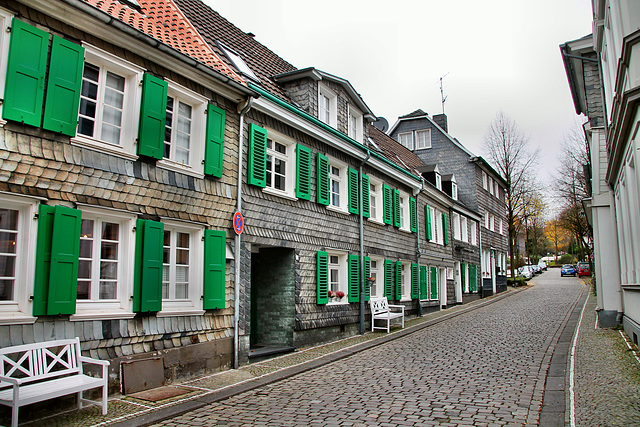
375, 221
279, 193
338, 210
405, 299
180, 168
16, 318
180, 313
338, 303
101, 315
103, 147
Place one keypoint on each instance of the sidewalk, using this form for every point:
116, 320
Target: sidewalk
197, 392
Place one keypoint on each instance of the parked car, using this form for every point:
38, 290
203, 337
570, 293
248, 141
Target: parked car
526, 272
584, 269
568, 270
536, 268
543, 265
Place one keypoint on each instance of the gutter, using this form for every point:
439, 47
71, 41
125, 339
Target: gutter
418, 253
362, 266
242, 109
131, 31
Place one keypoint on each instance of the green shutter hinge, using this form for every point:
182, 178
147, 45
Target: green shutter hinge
133, 230
8, 30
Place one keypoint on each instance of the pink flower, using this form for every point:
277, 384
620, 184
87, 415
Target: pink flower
332, 294
339, 294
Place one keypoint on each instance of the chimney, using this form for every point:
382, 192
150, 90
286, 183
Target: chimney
441, 120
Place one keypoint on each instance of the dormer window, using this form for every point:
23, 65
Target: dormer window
355, 124
438, 181
327, 105
454, 191
423, 139
238, 62
406, 139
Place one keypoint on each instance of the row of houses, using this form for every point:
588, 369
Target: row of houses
604, 78
134, 130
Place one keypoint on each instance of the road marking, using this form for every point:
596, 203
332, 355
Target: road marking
572, 409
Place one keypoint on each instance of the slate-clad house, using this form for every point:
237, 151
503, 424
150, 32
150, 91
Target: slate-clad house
116, 185
477, 186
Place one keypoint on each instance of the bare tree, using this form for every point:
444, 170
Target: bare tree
507, 149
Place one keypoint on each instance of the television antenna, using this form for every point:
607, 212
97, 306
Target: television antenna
444, 98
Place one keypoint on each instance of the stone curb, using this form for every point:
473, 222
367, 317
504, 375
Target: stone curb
284, 373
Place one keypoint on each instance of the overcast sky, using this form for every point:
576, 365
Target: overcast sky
496, 55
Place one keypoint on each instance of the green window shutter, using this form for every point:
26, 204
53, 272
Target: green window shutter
434, 283
322, 191
473, 279
413, 213
147, 294
387, 204
43, 259
366, 200
63, 270
26, 68
427, 216
415, 270
398, 280
214, 143
424, 282
63, 88
257, 159
215, 269
396, 208
445, 229
354, 278
462, 276
153, 115
303, 172
322, 276
388, 279
354, 194
367, 274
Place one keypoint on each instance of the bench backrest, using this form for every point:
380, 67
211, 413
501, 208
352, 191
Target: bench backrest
379, 305
38, 361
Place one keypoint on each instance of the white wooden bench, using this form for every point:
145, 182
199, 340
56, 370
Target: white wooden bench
32, 373
381, 310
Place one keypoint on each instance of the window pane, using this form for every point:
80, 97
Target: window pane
182, 257
6, 290
182, 291
89, 90
110, 231
110, 134
115, 81
85, 126
112, 116
8, 219
7, 266
182, 274
86, 248
8, 242
108, 270
90, 72
183, 240
109, 251
87, 108
108, 290
83, 290
84, 269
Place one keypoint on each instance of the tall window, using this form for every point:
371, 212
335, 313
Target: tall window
490, 184
423, 139
456, 226
9, 250
438, 181
325, 108
375, 200
327, 105
355, 124
176, 263
406, 139
335, 182
276, 165
454, 191
99, 260
338, 273
177, 131
101, 104
473, 238
406, 280
484, 180
464, 232
376, 272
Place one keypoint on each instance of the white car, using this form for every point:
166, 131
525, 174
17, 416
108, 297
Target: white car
543, 265
526, 272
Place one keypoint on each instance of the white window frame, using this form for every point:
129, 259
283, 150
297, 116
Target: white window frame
332, 97
355, 124
473, 232
450, 273
377, 290
377, 214
490, 184
5, 37
19, 309
406, 281
343, 274
438, 181
455, 217
192, 305
484, 180
439, 229
492, 222
500, 229
434, 226
198, 105
343, 186
406, 139
405, 212
122, 306
464, 231
496, 189
454, 191
424, 142
290, 170
130, 108
486, 219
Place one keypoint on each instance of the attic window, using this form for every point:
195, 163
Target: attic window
237, 62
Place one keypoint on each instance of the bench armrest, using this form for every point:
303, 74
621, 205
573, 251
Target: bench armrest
397, 306
10, 380
85, 359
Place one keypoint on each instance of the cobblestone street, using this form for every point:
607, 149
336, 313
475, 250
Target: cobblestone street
483, 368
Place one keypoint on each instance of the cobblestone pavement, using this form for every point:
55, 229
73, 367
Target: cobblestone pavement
486, 367
607, 376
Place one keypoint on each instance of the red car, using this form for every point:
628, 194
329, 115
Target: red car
584, 269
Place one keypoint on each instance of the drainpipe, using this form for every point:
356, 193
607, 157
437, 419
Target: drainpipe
418, 253
480, 244
362, 269
242, 109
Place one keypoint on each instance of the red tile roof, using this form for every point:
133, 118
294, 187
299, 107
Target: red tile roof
162, 20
